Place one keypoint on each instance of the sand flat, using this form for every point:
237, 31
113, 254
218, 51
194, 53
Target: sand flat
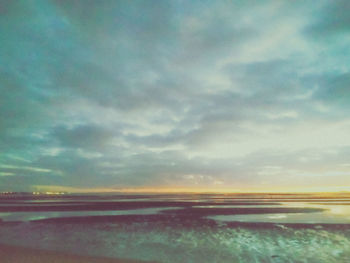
14, 254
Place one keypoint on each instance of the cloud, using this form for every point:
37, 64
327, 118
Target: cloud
332, 19
173, 94
84, 136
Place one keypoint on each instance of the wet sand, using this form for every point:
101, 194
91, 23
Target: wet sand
177, 228
14, 254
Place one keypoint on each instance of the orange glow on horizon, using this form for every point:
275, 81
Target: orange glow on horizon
192, 190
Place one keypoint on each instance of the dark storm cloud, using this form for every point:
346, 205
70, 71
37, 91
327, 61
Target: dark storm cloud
172, 93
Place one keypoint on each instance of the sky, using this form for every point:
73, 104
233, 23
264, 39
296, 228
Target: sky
174, 95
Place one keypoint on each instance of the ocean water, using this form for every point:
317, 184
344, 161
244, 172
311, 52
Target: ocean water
186, 228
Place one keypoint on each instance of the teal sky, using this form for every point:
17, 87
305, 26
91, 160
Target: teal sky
235, 95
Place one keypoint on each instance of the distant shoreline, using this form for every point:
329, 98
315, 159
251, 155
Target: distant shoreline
11, 254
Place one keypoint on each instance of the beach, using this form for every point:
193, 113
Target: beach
206, 228
11, 254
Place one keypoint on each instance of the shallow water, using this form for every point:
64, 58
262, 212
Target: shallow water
32, 216
333, 214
